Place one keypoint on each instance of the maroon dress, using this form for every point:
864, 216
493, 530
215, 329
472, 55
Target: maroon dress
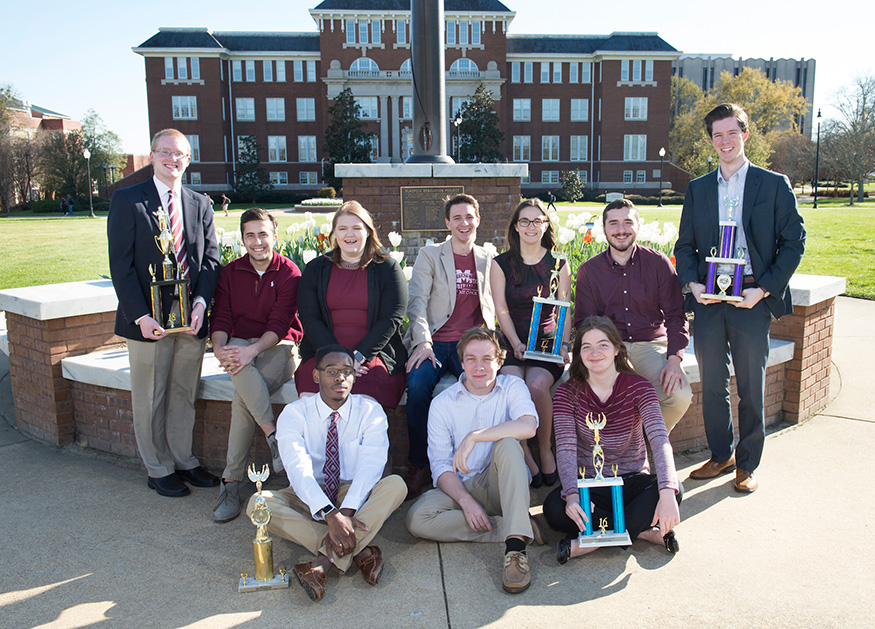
347, 300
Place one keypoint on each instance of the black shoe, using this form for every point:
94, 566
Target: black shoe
199, 477
169, 485
563, 550
551, 478
537, 480
671, 543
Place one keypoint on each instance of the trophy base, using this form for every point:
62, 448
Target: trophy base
278, 582
182, 329
722, 297
608, 539
545, 356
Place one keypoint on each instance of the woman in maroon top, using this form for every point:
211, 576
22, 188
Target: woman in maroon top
523, 271
355, 295
602, 381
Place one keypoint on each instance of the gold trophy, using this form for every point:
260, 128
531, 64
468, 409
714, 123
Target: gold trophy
262, 545
550, 346
171, 303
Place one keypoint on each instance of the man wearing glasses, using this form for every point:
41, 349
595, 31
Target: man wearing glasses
334, 447
165, 368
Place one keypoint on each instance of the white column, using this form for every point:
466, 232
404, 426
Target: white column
396, 129
384, 129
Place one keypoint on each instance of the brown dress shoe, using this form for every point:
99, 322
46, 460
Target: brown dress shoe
745, 482
516, 577
370, 562
415, 479
713, 468
312, 582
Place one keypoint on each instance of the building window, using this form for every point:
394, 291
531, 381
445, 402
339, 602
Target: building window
545, 72
549, 176
306, 148
364, 67
375, 147
267, 67
522, 109
299, 71
311, 72
522, 148
181, 68
194, 178
276, 148
456, 104
279, 178
585, 70
195, 142
350, 31
579, 109
636, 69
245, 109
168, 67
550, 109
308, 178
401, 30
475, 33
276, 109
405, 70
184, 107
627, 176
636, 108
195, 68
578, 148
515, 72
250, 71
451, 32
581, 174
463, 33
370, 107
375, 32
634, 148
465, 68
648, 70
363, 32
281, 71
236, 70
306, 109
624, 70
527, 72
572, 72
406, 108
557, 71
550, 148
641, 176
526, 179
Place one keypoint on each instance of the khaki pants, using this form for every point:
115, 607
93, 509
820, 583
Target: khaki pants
251, 406
503, 491
290, 518
648, 359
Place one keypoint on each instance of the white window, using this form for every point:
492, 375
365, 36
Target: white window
375, 147
195, 68
526, 178
363, 32
522, 148
648, 70
456, 104
585, 71
545, 72
407, 108
522, 109
299, 71
364, 66
306, 148
527, 72
515, 72
550, 148
549, 176
195, 142
281, 71
184, 107
579, 109
572, 72
245, 109
634, 147
401, 30
267, 66
194, 178
578, 148
549, 109
475, 33
624, 71
276, 148
463, 33
636, 69
276, 109
370, 107
350, 31
451, 32
627, 176
311, 72
641, 176
279, 178
181, 68
464, 67
250, 71
636, 108
306, 108
557, 71
168, 67
375, 31
405, 70
237, 70
308, 178
581, 174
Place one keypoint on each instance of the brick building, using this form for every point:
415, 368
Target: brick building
597, 104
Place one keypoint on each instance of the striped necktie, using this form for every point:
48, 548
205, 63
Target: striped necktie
178, 236
331, 469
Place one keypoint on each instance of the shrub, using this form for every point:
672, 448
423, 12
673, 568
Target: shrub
327, 193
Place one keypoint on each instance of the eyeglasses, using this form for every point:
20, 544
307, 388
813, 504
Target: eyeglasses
173, 154
331, 372
538, 222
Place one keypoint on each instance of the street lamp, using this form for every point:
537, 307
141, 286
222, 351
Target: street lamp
456, 123
87, 155
817, 159
105, 180
112, 168
710, 159
661, 161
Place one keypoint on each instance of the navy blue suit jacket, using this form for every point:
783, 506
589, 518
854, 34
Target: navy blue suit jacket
131, 231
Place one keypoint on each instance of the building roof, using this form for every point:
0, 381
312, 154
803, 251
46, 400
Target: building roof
587, 44
235, 41
454, 6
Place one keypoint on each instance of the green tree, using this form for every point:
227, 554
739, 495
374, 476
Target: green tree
63, 165
479, 135
572, 186
7, 158
105, 145
346, 141
252, 180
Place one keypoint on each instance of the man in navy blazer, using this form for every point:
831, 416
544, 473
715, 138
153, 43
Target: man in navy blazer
165, 368
772, 235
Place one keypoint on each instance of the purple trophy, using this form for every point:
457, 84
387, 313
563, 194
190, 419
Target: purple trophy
724, 270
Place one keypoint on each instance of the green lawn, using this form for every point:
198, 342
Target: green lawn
43, 249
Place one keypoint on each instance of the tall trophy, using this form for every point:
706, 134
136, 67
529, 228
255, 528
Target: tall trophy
724, 271
171, 302
601, 535
262, 545
546, 343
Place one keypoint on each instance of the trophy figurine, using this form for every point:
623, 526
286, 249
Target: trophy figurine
724, 271
603, 536
171, 303
545, 342
262, 545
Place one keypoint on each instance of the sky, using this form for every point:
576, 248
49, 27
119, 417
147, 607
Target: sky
74, 56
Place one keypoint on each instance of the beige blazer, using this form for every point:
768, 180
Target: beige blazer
432, 291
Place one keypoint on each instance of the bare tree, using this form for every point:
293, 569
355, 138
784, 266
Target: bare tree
793, 155
851, 142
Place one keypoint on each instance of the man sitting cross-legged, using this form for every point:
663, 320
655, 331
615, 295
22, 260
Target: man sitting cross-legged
477, 463
334, 447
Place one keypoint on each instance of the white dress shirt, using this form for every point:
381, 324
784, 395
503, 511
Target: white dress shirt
731, 191
363, 442
456, 412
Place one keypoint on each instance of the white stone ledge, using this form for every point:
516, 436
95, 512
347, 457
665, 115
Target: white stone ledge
808, 290
4, 338
460, 171
56, 301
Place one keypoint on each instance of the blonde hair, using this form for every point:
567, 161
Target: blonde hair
374, 251
172, 133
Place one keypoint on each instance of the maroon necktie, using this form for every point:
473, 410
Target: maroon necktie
178, 236
331, 469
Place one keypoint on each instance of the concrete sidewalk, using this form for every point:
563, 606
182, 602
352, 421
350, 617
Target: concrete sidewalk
84, 542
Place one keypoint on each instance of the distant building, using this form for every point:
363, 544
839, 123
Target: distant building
705, 70
29, 119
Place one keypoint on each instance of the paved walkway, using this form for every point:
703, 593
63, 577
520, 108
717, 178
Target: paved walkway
85, 543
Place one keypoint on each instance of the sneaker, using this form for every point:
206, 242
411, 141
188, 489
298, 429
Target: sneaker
516, 576
275, 453
228, 506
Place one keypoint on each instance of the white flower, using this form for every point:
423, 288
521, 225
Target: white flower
408, 272
220, 232
397, 256
329, 217
293, 229
307, 255
317, 229
565, 235
395, 239
308, 216
237, 237
490, 248
237, 248
553, 215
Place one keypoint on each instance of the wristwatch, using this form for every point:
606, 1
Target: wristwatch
324, 511
358, 356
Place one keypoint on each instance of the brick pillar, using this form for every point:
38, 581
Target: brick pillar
42, 397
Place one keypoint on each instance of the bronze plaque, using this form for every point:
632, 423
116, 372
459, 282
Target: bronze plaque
422, 207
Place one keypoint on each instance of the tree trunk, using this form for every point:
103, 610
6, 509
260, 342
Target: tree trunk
860, 190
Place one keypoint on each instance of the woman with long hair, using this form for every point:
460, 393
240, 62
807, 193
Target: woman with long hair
603, 383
